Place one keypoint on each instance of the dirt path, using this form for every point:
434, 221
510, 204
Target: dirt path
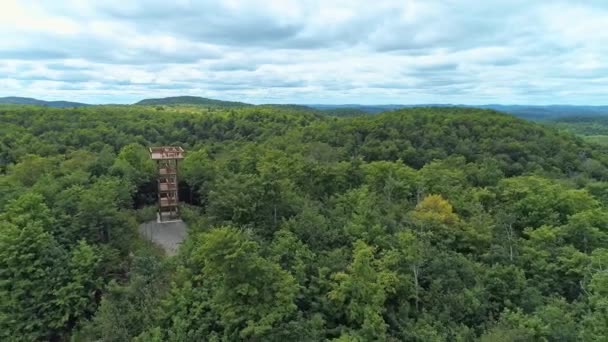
168, 235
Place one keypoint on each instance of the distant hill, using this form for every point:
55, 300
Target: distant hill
530, 112
358, 108
294, 107
523, 111
36, 102
550, 111
191, 100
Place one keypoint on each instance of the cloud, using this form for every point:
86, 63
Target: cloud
233, 65
315, 51
32, 54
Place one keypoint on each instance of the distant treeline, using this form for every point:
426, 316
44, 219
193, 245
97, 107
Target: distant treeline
537, 112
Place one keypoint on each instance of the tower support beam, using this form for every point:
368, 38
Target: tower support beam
167, 158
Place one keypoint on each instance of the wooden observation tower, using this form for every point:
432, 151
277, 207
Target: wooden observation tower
167, 158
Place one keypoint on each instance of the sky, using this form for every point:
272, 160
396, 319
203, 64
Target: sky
307, 52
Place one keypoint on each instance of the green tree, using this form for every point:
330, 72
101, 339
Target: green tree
552, 266
30, 169
31, 273
27, 209
197, 170
537, 201
77, 298
595, 321
362, 291
394, 180
99, 218
126, 310
250, 294
133, 163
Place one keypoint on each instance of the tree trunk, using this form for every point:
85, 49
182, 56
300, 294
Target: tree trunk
415, 271
510, 240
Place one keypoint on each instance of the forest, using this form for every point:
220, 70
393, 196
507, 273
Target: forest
593, 129
419, 224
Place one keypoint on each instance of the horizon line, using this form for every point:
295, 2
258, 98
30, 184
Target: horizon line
324, 104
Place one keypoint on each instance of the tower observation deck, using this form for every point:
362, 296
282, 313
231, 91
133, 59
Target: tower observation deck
167, 158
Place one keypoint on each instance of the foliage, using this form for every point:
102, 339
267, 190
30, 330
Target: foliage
421, 224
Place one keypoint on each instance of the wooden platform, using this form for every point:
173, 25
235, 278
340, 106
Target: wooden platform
166, 152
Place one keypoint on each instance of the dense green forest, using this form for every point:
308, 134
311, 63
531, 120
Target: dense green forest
422, 224
529, 112
593, 129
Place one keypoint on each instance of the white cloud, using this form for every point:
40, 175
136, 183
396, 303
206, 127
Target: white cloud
457, 51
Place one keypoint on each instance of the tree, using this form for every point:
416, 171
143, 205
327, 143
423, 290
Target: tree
27, 209
126, 310
133, 163
595, 321
586, 230
293, 255
506, 288
551, 265
250, 294
135, 168
552, 322
394, 180
434, 208
362, 219
99, 217
434, 216
78, 297
536, 201
30, 169
444, 177
362, 290
235, 198
31, 273
410, 254
197, 170
313, 228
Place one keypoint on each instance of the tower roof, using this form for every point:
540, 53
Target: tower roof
166, 152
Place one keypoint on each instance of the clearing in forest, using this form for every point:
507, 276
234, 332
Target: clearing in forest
168, 235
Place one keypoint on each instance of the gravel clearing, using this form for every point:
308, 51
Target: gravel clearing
168, 235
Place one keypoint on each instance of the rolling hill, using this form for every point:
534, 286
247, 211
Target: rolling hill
190, 100
531, 112
36, 102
